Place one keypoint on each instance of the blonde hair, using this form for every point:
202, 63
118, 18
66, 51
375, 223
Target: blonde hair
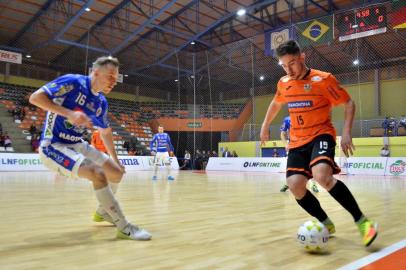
104, 61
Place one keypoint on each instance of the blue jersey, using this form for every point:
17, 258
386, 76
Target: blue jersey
162, 141
73, 92
286, 125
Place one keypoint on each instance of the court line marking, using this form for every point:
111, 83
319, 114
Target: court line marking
375, 256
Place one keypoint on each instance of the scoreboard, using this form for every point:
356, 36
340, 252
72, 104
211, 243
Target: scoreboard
361, 22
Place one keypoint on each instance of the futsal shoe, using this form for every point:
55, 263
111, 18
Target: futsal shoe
154, 177
171, 178
284, 188
330, 226
368, 230
100, 218
133, 232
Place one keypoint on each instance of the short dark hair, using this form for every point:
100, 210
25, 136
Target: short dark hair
106, 60
288, 47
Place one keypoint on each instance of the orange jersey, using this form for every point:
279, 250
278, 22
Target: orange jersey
97, 142
309, 103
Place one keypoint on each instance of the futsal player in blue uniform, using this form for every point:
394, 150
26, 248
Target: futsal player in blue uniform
73, 103
160, 144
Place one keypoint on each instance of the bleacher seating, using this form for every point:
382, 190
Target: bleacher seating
142, 132
152, 110
122, 112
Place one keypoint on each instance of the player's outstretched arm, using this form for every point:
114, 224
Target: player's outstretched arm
273, 110
346, 139
106, 135
40, 99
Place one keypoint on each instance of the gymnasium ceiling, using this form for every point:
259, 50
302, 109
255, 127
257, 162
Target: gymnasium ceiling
153, 37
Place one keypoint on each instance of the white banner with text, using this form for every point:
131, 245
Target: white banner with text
11, 57
352, 166
30, 162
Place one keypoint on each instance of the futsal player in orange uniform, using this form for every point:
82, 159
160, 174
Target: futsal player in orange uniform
310, 94
97, 142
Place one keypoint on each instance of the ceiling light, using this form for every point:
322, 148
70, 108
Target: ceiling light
28, 56
125, 75
356, 62
176, 80
193, 43
241, 12
262, 77
87, 9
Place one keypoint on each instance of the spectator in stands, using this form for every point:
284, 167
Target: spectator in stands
21, 114
385, 151
226, 153
2, 138
234, 154
25, 101
132, 152
126, 146
16, 113
402, 122
133, 142
7, 141
33, 129
389, 126
186, 160
214, 154
393, 126
35, 143
275, 153
205, 159
198, 160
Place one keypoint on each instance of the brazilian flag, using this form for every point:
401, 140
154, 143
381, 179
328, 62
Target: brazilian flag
317, 31
399, 14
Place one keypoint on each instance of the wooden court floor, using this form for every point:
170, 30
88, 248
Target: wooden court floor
218, 220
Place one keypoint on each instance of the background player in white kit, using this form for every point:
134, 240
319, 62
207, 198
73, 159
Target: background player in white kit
160, 144
75, 102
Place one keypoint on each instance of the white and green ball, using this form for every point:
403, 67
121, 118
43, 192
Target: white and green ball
313, 236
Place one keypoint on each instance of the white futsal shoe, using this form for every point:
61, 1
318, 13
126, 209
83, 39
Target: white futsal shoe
133, 232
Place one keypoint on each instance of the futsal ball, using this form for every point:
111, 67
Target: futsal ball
313, 236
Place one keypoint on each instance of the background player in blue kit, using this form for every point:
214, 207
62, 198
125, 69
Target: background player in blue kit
160, 144
73, 103
285, 128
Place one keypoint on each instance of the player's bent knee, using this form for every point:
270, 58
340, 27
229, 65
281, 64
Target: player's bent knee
113, 171
326, 180
294, 184
99, 175
117, 175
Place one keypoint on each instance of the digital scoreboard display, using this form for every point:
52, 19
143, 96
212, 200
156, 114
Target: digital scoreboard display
361, 22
